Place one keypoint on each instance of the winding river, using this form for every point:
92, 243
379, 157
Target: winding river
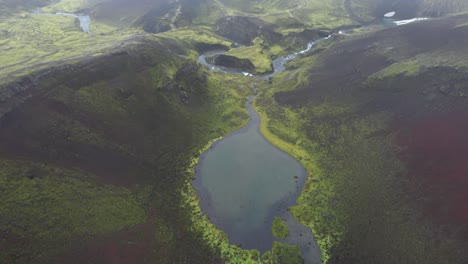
278, 63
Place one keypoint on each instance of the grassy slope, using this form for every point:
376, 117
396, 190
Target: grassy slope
101, 155
340, 123
257, 54
33, 40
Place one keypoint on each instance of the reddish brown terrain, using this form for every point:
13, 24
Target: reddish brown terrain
402, 186
124, 247
436, 151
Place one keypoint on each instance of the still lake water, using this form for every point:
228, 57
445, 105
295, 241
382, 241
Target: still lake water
243, 182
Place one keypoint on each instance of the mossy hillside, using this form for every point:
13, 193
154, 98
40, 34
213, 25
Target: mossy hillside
411, 60
329, 14
71, 6
201, 39
283, 253
35, 40
279, 228
257, 54
355, 193
45, 203
129, 119
204, 12
261, 7
324, 14
333, 202
12, 7
332, 14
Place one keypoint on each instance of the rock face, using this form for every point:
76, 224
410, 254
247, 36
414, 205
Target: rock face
233, 62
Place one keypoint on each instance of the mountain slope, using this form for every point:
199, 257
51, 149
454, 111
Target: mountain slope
95, 154
382, 137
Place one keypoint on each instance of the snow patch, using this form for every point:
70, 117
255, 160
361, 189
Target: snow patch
390, 14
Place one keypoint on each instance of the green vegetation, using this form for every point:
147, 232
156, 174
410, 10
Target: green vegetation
283, 254
354, 200
133, 119
280, 229
106, 140
262, 7
257, 54
71, 6
200, 38
337, 148
31, 40
410, 68
51, 204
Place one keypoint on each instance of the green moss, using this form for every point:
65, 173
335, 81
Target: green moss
196, 36
71, 6
280, 229
257, 54
34, 40
410, 68
283, 254
54, 196
148, 110
350, 154
45, 203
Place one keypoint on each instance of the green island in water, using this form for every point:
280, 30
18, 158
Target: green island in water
233, 131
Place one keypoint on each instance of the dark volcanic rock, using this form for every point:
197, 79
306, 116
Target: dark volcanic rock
233, 62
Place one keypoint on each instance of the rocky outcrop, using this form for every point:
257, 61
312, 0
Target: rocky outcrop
233, 62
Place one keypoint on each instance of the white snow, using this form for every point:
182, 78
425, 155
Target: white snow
390, 14
404, 22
